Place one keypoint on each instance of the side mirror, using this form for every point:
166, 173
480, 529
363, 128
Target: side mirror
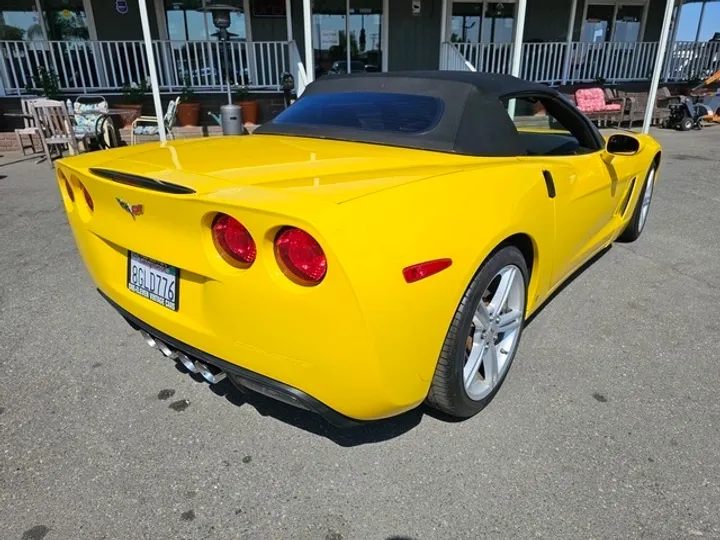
622, 145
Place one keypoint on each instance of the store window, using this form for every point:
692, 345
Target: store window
486, 22
598, 23
66, 20
19, 20
613, 22
186, 23
627, 23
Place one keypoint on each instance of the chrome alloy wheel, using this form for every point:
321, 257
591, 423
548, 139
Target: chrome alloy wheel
647, 198
494, 332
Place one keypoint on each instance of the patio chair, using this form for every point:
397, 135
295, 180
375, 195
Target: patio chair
591, 101
55, 128
88, 110
168, 119
30, 129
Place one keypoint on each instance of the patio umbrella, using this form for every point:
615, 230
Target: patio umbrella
154, 85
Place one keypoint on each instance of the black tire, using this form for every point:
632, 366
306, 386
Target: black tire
686, 124
634, 228
447, 391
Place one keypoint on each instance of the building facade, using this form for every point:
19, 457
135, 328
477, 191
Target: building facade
96, 45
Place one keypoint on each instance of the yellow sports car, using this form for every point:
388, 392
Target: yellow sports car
380, 243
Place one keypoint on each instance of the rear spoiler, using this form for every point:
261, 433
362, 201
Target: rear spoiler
142, 182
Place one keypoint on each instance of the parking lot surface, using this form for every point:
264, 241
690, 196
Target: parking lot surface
607, 427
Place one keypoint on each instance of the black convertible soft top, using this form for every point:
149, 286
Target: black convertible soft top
472, 121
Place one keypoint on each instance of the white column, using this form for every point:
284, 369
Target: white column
443, 21
700, 21
147, 38
664, 34
348, 52
307, 31
288, 19
252, 67
518, 41
569, 41
385, 35
677, 21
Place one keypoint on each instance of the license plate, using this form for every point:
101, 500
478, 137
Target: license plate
154, 280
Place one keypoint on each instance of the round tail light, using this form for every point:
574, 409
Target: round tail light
233, 240
300, 256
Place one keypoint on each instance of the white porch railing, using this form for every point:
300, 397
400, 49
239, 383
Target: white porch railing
89, 66
487, 57
452, 60
612, 61
687, 60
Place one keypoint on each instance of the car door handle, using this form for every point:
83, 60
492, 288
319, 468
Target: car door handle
549, 184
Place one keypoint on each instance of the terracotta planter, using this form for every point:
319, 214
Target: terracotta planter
188, 114
249, 111
133, 112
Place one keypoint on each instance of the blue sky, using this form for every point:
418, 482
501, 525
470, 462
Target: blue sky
689, 17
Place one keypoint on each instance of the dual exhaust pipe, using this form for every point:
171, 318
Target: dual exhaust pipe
210, 373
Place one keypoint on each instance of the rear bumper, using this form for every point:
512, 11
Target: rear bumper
254, 381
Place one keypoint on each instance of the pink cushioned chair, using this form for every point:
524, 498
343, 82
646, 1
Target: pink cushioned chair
591, 101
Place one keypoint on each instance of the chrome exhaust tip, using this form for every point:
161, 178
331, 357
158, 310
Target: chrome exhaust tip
167, 351
187, 362
211, 374
148, 339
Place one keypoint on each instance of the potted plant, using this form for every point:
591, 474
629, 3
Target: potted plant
45, 82
133, 96
249, 106
188, 111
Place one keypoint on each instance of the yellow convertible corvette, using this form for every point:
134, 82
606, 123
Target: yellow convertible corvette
378, 244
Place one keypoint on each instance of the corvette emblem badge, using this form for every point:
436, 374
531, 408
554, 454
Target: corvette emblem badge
133, 209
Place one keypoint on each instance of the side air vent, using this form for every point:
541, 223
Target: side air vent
628, 197
142, 182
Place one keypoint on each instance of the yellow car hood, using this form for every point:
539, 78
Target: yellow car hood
336, 171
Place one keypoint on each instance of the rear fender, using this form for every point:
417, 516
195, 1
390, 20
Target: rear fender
463, 216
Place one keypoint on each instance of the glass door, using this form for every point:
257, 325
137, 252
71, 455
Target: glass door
345, 40
628, 22
597, 25
466, 22
365, 22
329, 38
499, 22
481, 22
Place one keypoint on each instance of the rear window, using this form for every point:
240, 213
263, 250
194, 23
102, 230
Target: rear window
368, 111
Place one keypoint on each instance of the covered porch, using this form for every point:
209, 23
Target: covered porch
95, 49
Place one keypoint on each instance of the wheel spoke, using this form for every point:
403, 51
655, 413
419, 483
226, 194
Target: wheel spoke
509, 321
503, 290
481, 319
472, 365
490, 363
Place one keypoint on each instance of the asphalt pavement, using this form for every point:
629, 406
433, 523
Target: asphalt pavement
608, 426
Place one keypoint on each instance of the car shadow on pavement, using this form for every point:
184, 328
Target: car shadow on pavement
599, 255
364, 433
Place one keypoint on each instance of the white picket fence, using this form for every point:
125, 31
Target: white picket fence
88, 66
555, 63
